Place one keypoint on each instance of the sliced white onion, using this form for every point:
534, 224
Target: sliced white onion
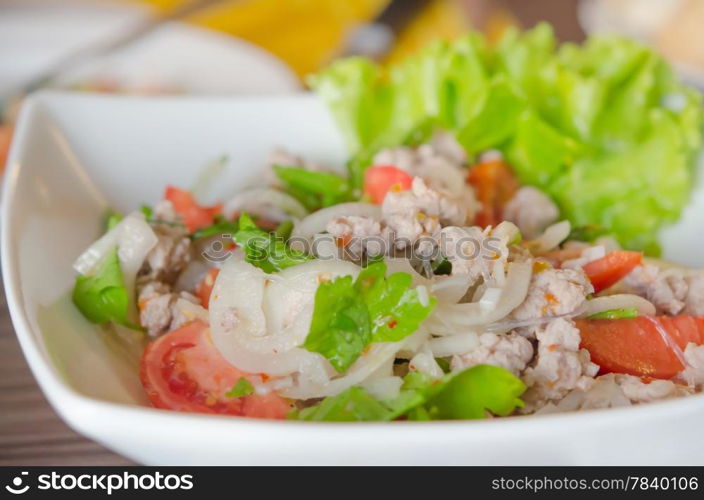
325, 247
512, 295
207, 178
131, 235
490, 298
450, 289
506, 231
134, 239
551, 237
257, 320
423, 295
424, 362
438, 325
255, 199
401, 265
318, 221
384, 388
191, 311
505, 326
375, 357
618, 301
414, 343
191, 276
451, 345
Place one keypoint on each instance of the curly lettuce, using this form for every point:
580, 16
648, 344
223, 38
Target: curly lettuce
605, 128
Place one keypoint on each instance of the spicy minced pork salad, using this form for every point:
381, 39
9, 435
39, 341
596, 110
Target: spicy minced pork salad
489, 251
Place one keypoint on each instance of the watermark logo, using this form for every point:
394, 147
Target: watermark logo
16, 488
325, 246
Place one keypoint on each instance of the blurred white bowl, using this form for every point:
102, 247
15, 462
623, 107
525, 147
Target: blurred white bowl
175, 56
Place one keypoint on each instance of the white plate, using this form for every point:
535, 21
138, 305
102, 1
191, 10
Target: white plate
175, 56
76, 154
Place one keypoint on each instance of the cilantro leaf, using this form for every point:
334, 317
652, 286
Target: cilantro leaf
284, 230
341, 327
394, 306
349, 315
313, 189
222, 226
243, 387
469, 394
265, 250
103, 297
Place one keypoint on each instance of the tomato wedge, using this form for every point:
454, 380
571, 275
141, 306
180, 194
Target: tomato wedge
611, 268
194, 216
494, 184
378, 180
205, 287
640, 346
183, 371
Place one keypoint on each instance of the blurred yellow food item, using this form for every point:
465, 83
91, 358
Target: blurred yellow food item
308, 34
445, 20
305, 33
441, 19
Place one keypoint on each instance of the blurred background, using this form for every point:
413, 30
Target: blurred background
269, 46
251, 47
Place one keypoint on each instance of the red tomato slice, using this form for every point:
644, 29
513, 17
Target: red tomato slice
611, 268
194, 216
183, 371
684, 330
494, 184
636, 345
205, 287
380, 179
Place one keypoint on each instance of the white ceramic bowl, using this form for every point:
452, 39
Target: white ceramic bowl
75, 154
175, 57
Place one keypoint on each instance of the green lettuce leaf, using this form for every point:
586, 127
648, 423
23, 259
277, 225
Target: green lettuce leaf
469, 394
314, 189
265, 250
605, 128
220, 227
473, 392
629, 312
341, 326
353, 405
348, 314
103, 297
395, 309
243, 387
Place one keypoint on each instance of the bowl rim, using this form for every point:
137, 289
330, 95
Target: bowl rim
69, 403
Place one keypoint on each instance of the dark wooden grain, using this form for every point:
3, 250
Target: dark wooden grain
31, 433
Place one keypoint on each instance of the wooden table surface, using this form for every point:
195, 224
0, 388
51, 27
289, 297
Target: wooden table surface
31, 433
